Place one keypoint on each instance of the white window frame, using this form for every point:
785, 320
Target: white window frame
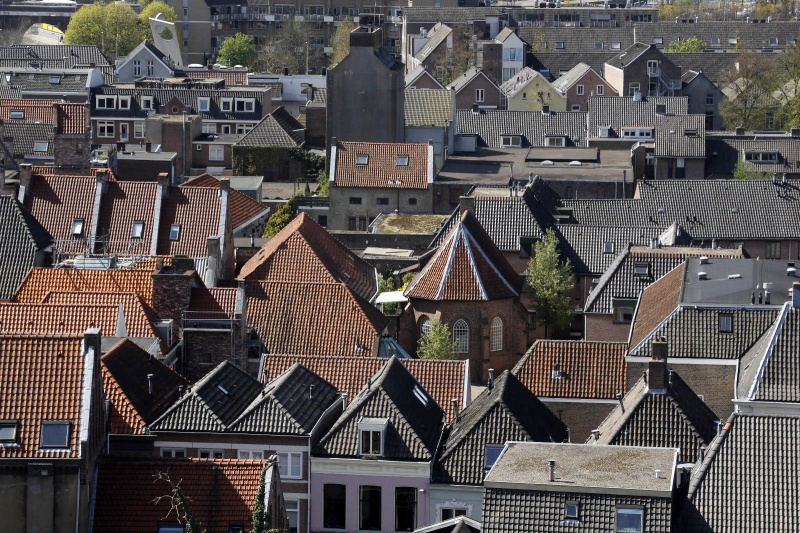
293, 510
601, 89
290, 465
106, 128
634, 88
124, 102
151, 70
226, 104
138, 129
137, 68
480, 95
425, 325
40, 146
579, 90
555, 142
137, 230
452, 511
203, 105
367, 428
362, 159
174, 452
510, 141
245, 105
250, 454
226, 129
496, 335
631, 512
124, 131
461, 336
78, 227
147, 102
105, 101
211, 453
209, 127
216, 152
243, 129
175, 232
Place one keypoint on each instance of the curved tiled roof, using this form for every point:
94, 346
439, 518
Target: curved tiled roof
276, 130
534, 126
197, 211
658, 301
467, 266
243, 208
40, 281
592, 370
123, 203
56, 201
381, 169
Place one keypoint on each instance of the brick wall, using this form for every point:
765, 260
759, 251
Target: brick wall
172, 294
581, 418
603, 328
71, 151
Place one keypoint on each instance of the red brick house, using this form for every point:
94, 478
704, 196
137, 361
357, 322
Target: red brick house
469, 285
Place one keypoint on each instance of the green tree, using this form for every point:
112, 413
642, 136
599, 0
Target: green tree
150, 10
238, 50
436, 343
281, 217
323, 185
259, 524
749, 91
686, 46
550, 282
289, 48
740, 172
340, 41
114, 28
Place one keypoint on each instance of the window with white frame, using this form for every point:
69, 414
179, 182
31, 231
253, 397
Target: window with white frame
555, 142
137, 68
178, 453
105, 128
125, 102
209, 127
293, 514
601, 89
362, 159
138, 130
147, 102
226, 104
634, 88
372, 432
251, 454
461, 336
637, 133
245, 105
203, 104
496, 335
509, 73
55, 434
761, 157
452, 512
623, 310
77, 227
175, 232
138, 229
151, 70
210, 454
579, 90
401, 161
291, 464
510, 141
225, 129
773, 250
242, 129
216, 152
575, 107
106, 102
16, 114
572, 511
124, 131
480, 95
559, 45
425, 325
630, 520
40, 146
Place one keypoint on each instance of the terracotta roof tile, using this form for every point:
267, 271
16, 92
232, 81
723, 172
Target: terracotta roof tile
590, 370
304, 251
231, 77
33, 110
40, 319
220, 491
84, 172
56, 201
313, 318
214, 299
657, 302
40, 281
444, 380
467, 266
197, 211
243, 208
125, 371
124, 203
41, 378
138, 316
381, 168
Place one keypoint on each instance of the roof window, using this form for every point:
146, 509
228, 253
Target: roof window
362, 159
8, 431
402, 161
137, 230
608, 248
420, 395
641, 269
726, 323
16, 114
175, 232
77, 227
55, 80
40, 146
55, 434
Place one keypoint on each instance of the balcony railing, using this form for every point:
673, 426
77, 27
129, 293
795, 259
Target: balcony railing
653, 72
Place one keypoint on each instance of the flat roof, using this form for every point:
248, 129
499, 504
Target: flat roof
592, 468
734, 281
408, 224
143, 154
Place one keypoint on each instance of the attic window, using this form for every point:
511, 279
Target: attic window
55, 80
16, 114
714, 41
371, 435
55, 434
773, 41
420, 395
658, 40
40, 146
761, 157
616, 46
402, 161
8, 431
726, 323
690, 132
608, 248
556, 373
733, 40
138, 229
510, 141
559, 45
175, 232
556, 142
493, 452
571, 512
77, 227
362, 159
641, 269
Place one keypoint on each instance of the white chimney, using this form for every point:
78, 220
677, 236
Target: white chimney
552, 464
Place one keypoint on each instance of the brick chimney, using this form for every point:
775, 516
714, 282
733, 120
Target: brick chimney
172, 293
25, 181
466, 203
657, 367
227, 260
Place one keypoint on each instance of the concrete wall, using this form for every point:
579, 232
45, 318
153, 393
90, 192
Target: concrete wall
399, 199
443, 142
455, 496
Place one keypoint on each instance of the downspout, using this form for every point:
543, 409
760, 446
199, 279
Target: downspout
78, 501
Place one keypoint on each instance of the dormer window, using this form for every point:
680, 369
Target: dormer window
8, 432
124, 102
372, 435
362, 159
138, 229
630, 521
572, 511
147, 102
55, 434
637, 133
106, 102
245, 105
17, 114
555, 142
761, 157
492, 454
226, 104
77, 227
203, 104
726, 323
608, 248
511, 141
402, 161
175, 232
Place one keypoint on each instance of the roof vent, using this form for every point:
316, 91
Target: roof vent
703, 259
702, 275
791, 271
734, 276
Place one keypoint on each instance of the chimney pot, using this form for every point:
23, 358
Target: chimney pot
490, 384
552, 464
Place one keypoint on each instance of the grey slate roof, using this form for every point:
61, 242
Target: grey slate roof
705, 209
628, 55
429, 107
22, 236
581, 39
680, 136
778, 378
747, 36
436, 36
290, 405
748, 481
559, 63
462, 81
585, 246
213, 403
568, 79
393, 393
73, 56
448, 14
728, 149
693, 332
38, 81
508, 412
711, 65
533, 126
619, 111
276, 130
22, 138
675, 418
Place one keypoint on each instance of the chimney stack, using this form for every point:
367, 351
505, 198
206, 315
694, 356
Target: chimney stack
466, 203
796, 294
454, 402
490, 383
25, 181
552, 464
150, 384
657, 367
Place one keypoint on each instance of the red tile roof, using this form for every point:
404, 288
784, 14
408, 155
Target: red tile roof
381, 169
40, 111
125, 370
313, 318
56, 201
219, 490
656, 303
36, 319
444, 380
589, 370
197, 210
214, 299
243, 208
85, 172
138, 316
41, 378
303, 251
72, 118
40, 281
467, 266
123, 203
231, 77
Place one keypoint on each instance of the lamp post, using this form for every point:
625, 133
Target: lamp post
306, 58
